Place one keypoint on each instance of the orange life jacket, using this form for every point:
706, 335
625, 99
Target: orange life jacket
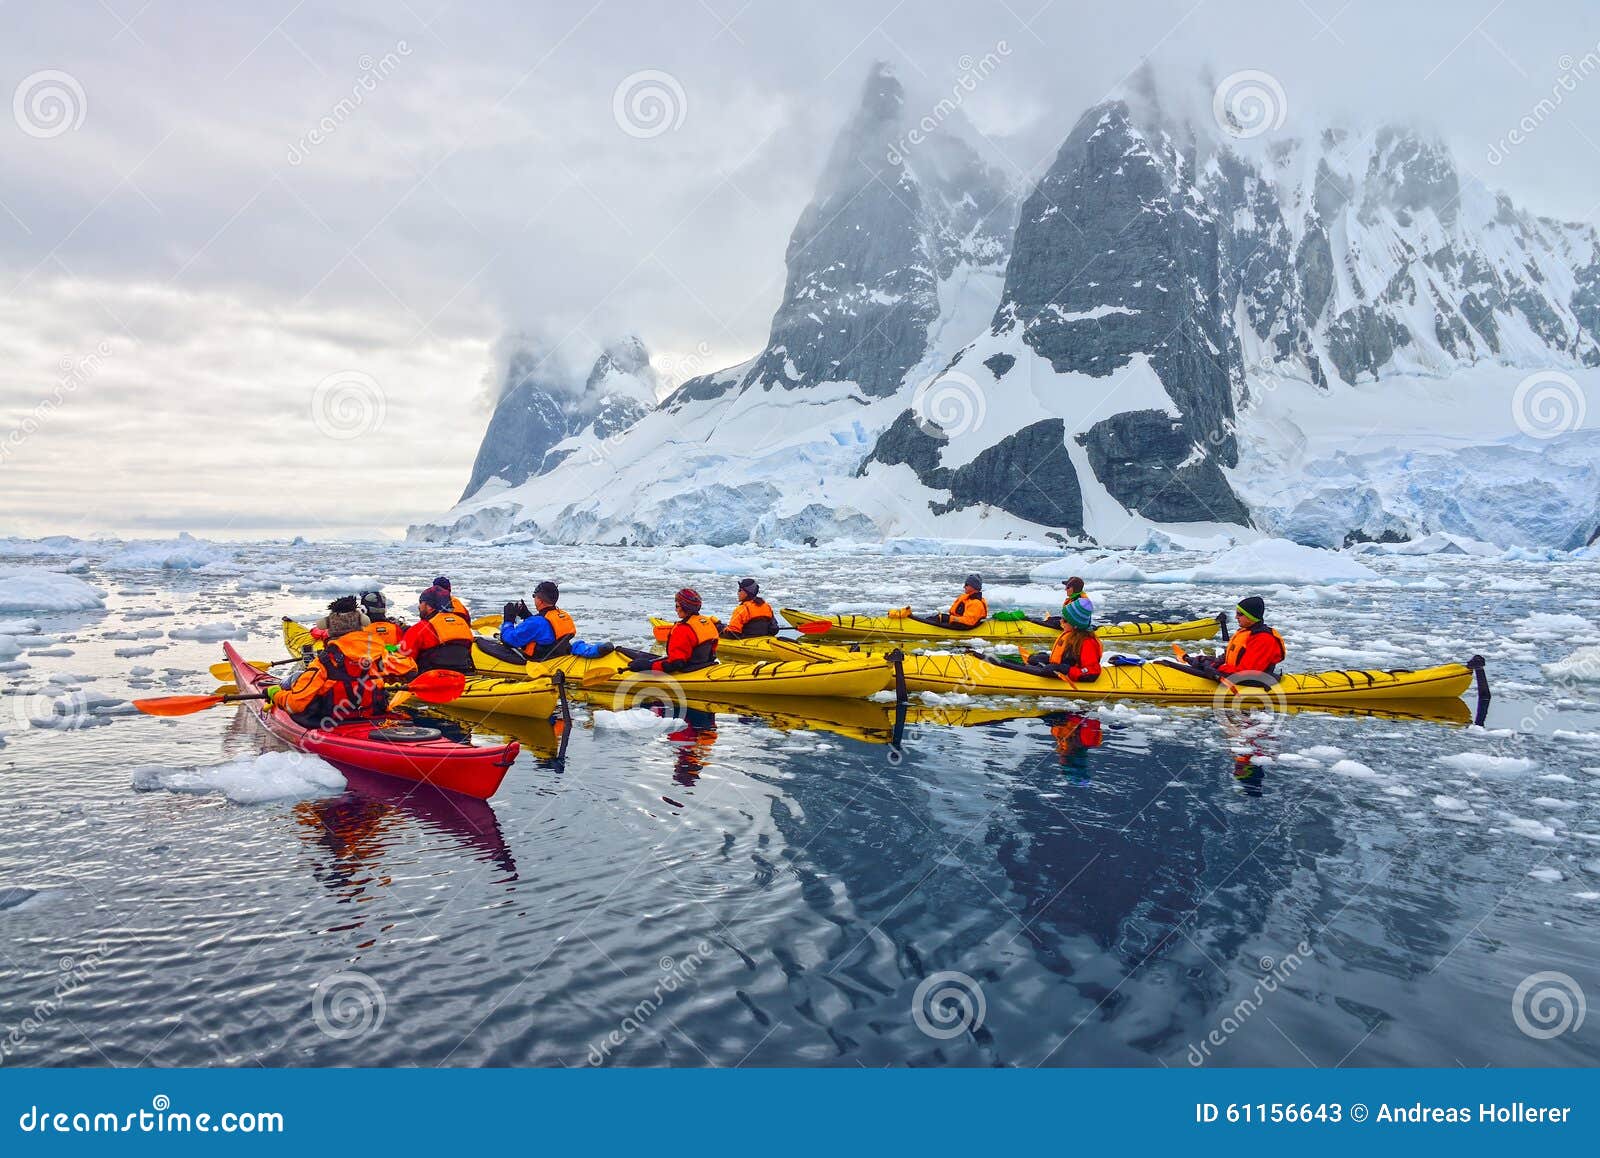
704, 651
459, 608
453, 652
1069, 647
566, 631
1233, 655
338, 686
969, 610
751, 618
385, 631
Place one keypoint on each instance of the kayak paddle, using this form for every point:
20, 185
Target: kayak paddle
1183, 656
224, 670
431, 687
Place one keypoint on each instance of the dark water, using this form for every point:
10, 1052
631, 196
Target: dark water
1006, 893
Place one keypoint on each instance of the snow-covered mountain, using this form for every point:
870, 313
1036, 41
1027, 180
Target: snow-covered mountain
1178, 327
543, 411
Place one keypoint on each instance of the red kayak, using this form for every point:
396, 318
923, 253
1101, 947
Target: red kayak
391, 744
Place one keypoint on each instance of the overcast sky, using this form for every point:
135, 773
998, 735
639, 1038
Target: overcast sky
200, 299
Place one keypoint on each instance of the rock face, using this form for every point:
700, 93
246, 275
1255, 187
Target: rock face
1117, 344
540, 408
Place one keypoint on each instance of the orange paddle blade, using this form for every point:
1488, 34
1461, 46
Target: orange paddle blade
399, 699
437, 686
178, 705
816, 627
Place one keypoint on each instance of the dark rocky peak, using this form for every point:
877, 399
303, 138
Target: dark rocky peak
1408, 173
899, 206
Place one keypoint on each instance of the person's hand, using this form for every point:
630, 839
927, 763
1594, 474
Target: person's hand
522, 610
643, 663
510, 612
272, 693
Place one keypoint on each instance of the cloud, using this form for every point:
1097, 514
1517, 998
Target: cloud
469, 177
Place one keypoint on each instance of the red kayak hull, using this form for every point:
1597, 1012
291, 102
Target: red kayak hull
446, 764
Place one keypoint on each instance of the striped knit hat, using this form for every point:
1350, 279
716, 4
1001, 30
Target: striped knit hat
1079, 613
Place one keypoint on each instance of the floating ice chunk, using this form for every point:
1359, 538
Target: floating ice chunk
1273, 561
35, 589
248, 780
1582, 665
218, 629
1532, 829
337, 585
635, 720
1354, 769
1483, 764
1548, 875
1324, 752
185, 553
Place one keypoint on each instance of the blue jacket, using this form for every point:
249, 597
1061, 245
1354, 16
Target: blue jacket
535, 629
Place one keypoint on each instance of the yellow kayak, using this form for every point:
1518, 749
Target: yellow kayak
883, 627
507, 693
1161, 681
842, 675
867, 721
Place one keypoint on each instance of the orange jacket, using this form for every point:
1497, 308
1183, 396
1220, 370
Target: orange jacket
747, 619
1080, 651
692, 644
1257, 648
969, 610
443, 640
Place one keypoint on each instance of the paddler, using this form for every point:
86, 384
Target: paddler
380, 626
1077, 651
1072, 589
338, 685
753, 616
1255, 649
546, 632
969, 609
344, 616
442, 583
441, 637
692, 643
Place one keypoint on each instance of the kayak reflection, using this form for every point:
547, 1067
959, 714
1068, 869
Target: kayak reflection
377, 813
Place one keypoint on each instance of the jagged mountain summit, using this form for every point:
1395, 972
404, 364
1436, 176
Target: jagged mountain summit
1177, 327
541, 407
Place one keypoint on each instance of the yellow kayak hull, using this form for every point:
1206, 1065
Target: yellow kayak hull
829, 676
511, 692
1159, 681
878, 628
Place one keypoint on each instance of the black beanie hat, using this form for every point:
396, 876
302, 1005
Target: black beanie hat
750, 586
975, 581
1254, 606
